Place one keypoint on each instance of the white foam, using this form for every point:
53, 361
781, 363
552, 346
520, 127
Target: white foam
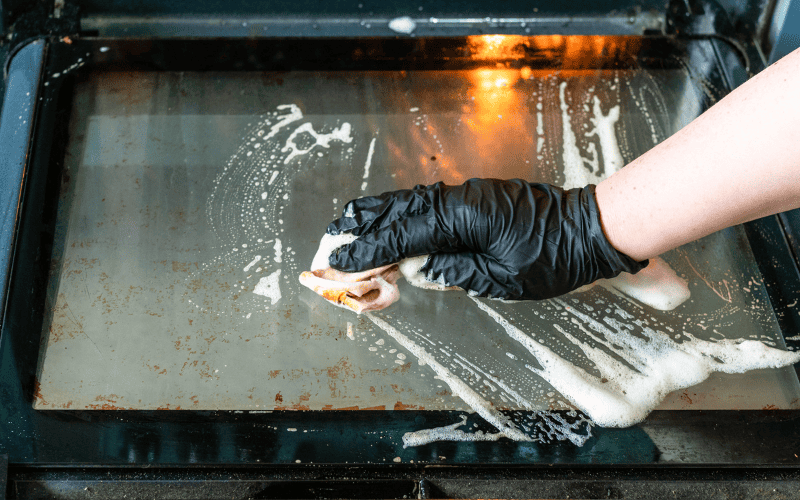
447, 433
252, 263
576, 174
627, 391
604, 130
327, 245
294, 115
269, 287
368, 163
278, 247
409, 268
404, 25
341, 133
657, 285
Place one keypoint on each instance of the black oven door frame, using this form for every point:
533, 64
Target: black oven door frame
766, 440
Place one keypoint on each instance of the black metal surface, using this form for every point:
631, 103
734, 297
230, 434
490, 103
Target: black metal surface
16, 124
338, 8
405, 481
3, 76
142, 438
3, 476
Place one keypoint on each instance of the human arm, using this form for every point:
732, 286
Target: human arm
738, 161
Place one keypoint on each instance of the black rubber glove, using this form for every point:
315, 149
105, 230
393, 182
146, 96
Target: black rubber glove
504, 239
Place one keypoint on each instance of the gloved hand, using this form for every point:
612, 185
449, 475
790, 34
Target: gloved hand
503, 239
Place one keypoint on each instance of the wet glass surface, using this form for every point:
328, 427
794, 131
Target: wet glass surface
191, 202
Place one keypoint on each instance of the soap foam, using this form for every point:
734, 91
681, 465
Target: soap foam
368, 163
626, 392
341, 133
269, 287
409, 268
404, 25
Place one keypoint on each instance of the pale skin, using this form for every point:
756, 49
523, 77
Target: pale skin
738, 161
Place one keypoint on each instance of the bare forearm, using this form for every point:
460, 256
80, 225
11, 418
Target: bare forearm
738, 161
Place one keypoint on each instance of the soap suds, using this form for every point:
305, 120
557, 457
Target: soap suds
627, 391
278, 247
252, 263
269, 287
447, 433
368, 163
341, 133
404, 25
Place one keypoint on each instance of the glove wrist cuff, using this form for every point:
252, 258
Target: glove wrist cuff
613, 261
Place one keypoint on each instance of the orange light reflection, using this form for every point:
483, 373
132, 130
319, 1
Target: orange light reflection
496, 109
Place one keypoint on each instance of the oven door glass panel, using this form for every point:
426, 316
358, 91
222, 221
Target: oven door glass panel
191, 202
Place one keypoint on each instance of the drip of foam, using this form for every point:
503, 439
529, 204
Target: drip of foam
269, 287
294, 115
626, 392
252, 263
404, 25
278, 250
341, 133
575, 172
368, 163
447, 433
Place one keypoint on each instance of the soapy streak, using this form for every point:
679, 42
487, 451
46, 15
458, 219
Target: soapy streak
341, 133
368, 163
622, 396
251, 264
446, 433
457, 386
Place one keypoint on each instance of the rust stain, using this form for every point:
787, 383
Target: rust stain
168, 407
111, 398
402, 368
180, 266
106, 406
274, 373
770, 407
293, 408
37, 393
278, 398
346, 408
401, 406
194, 399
